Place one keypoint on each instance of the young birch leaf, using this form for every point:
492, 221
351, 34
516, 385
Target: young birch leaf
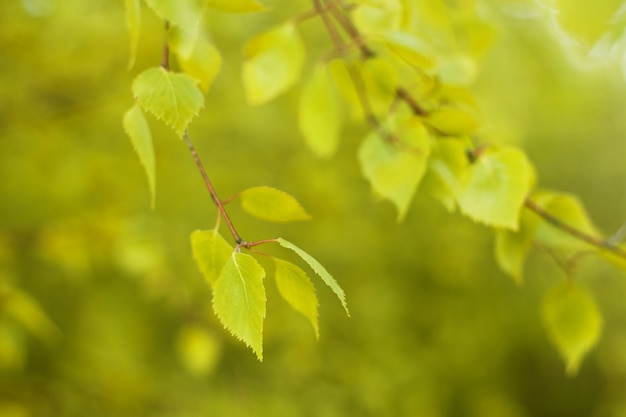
203, 63
511, 247
184, 16
273, 62
296, 288
446, 168
569, 210
572, 321
133, 22
236, 6
495, 187
211, 252
452, 121
173, 98
395, 170
137, 129
267, 203
239, 300
319, 270
410, 48
319, 114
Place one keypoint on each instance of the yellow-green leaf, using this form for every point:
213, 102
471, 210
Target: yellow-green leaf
319, 270
133, 22
296, 288
184, 16
173, 98
319, 113
273, 63
203, 63
511, 247
496, 186
569, 210
26, 311
452, 121
211, 252
239, 300
237, 6
267, 203
137, 129
446, 169
410, 48
572, 321
395, 170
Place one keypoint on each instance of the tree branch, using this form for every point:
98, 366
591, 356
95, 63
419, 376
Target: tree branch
574, 232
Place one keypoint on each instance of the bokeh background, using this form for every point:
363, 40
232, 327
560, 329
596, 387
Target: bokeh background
104, 313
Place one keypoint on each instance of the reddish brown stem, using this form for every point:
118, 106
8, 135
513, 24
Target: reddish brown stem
214, 196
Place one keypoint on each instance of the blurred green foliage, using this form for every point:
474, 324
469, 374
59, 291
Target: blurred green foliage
104, 313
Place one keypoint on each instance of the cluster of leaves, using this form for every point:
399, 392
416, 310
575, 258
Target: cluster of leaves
403, 68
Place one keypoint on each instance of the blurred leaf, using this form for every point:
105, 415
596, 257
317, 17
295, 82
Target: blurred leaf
273, 63
236, 6
138, 130
380, 82
496, 186
446, 169
410, 48
569, 210
511, 247
203, 63
319, 116
452, 121
267, 203
319, 270
395, 170
586, 21
173, 98
572, 321
198, 350
239, 300
27, 312
133, 22
211, 252
184, 16
296, 288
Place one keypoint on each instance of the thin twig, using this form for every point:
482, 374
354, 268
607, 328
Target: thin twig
165, 63
574, 232
214, 196
350, 29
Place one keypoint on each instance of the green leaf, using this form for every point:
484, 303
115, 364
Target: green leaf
203, 63
319, 114
452, 121
236, 6
296, 288
496, 186
137, 129
198, 349
239, 300
173, 98
273, 62
447, 165
410, 48
184, 16
267, 203
569, 210
319, 270
572, 321
380, 81
395, 170
511, 247
211, 252
133, 22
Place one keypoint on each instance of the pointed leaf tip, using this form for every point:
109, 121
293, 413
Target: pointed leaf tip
239, 300
319, 270
137, 129
572, 321
295, 286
